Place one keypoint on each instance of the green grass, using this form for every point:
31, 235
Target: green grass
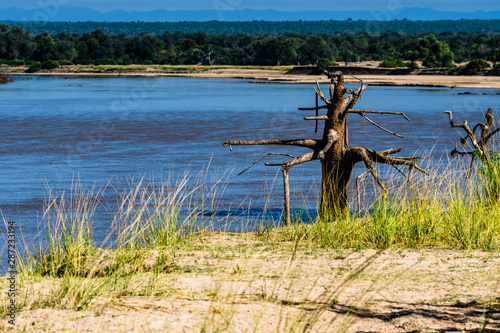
443, 210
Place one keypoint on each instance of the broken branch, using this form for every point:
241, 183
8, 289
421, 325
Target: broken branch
268, 154
380, 112
307, 143
294, 161
382, 128
312, 109
316, 118
467, 129
320, 94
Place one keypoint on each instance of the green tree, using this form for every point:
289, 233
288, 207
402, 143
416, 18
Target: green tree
314, 49
19, 43
45, 48
273, 51
145, 47
435, 53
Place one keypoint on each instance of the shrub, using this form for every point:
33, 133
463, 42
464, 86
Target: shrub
65, 62
15, 62
388, 64
323, 63
477, 64
35, 67
50, 64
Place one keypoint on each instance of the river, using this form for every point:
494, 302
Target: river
57, 131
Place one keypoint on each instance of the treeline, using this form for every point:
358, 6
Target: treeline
263, 27
18, 47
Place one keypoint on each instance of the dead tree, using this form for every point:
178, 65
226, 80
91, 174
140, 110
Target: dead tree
480, 146
333, 150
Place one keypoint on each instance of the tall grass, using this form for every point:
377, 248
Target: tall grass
149, 216
444, 209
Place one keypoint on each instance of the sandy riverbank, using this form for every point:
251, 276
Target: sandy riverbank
238, 283
269, 76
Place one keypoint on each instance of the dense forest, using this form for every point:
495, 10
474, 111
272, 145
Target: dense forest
20, 47
262, 27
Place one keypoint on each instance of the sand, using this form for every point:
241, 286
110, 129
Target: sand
280, 77
231, 284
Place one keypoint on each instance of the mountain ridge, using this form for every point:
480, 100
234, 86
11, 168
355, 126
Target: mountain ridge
81, 14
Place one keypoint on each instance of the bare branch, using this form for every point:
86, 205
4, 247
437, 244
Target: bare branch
362, 82
317, 109
316, 118
490, 121
382, 157
467, 129
355, 96
307, 143
268, 154
380, 112
294, 161
461, 153
382, 128
475, 128
389, 151
364, 126
320, 94
312, 109
410, 174
491, 134
369, 166
470, 166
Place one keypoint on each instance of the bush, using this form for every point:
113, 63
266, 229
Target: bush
147, 62
477, 64
388, 64
15, 62
35, 67
65, 62
323, 63
50, 64
391, 63
124, 61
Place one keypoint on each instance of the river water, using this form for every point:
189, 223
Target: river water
56, 131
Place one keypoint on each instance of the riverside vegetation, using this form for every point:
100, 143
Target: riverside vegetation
19, 47
162, 234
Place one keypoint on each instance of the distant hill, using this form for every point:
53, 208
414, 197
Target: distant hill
74, 14
255, 27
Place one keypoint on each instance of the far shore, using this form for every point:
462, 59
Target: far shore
259, 74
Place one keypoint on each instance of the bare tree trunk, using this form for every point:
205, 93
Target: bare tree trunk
336, 178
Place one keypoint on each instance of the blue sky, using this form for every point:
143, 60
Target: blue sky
282, 5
